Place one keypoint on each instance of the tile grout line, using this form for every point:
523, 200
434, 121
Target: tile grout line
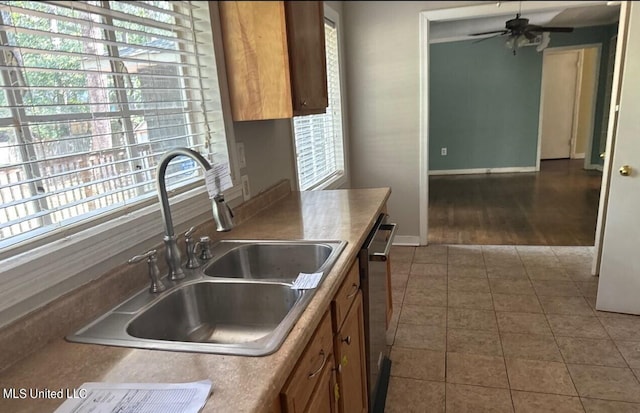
595, 314
555, 339
633, 372
546, 317
554, 335
504, 357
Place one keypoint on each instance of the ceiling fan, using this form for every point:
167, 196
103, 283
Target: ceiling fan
520, 32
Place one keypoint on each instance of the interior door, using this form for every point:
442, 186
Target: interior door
559, 80
619, 285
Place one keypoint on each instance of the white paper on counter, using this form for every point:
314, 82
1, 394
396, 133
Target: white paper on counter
306, 281
138, 398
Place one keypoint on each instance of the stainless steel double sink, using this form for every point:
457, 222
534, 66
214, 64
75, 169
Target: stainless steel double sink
241, 302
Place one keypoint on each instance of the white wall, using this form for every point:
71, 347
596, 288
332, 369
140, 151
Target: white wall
383, 86
335, 5
269, 152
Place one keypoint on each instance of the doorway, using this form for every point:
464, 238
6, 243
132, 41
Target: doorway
567, 102
433, 19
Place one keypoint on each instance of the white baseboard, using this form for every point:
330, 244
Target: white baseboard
597, 167
578, 156
484, 171
406, 240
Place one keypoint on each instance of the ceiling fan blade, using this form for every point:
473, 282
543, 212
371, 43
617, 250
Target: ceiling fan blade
540, 29
503, 31
486, 38
558, 29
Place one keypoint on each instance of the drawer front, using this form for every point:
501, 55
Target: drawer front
308, 372
345, 296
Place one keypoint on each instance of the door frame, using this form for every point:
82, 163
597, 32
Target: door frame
504, 9
576, 103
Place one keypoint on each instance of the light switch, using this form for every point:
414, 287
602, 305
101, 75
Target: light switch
242, 160
246, 190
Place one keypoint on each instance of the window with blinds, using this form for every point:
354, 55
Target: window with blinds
93, 93
318, 138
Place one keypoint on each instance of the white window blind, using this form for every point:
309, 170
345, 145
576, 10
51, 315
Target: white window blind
318, 138
93, 93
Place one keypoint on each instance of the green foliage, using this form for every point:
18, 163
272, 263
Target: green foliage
59, 83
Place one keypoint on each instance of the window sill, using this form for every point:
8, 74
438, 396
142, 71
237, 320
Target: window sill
33, 278
335, 181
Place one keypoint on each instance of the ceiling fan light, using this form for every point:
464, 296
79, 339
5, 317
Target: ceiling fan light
546, 38
521, 41
511, 41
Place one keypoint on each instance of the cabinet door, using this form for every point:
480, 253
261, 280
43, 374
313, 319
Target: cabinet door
350, 355
307, 374
324, 398
257, 59
307, 56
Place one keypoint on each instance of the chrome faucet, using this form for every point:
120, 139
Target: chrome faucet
221, 211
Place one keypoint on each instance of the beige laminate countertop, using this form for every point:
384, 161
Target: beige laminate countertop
240, 384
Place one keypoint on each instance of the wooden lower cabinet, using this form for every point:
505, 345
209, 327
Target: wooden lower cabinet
330, 375
323, 400
350, 356
275, 407
306, 377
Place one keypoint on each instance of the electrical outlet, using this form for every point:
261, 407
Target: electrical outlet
242, 160
443, 151
246, 190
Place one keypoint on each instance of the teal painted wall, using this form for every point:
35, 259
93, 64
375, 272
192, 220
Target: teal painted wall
484, 101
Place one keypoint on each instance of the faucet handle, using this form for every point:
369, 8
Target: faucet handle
191, 246
149, 255
154, 273
190, 232
205, 246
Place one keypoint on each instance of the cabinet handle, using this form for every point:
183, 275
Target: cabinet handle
303, 103
324, 361
347, 340
355, 290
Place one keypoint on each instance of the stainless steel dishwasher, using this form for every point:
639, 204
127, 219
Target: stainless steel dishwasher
373, 273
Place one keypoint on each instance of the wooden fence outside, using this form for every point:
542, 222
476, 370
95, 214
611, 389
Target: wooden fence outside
69, 187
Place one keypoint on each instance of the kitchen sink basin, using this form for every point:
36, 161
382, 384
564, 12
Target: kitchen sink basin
270, 260
214, 312
241, 302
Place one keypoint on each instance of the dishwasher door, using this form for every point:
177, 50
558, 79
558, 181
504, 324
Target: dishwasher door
373, 273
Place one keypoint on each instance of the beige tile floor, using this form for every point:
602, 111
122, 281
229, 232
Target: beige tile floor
506, 329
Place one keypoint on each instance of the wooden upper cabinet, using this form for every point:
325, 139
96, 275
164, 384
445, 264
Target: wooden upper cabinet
275, 58
307, 56
257, 59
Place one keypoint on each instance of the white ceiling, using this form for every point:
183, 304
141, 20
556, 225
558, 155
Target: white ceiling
599, 14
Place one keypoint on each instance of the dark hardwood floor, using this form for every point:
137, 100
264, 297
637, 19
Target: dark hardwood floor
556, 206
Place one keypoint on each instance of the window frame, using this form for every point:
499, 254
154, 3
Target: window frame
337, 180
96, 246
